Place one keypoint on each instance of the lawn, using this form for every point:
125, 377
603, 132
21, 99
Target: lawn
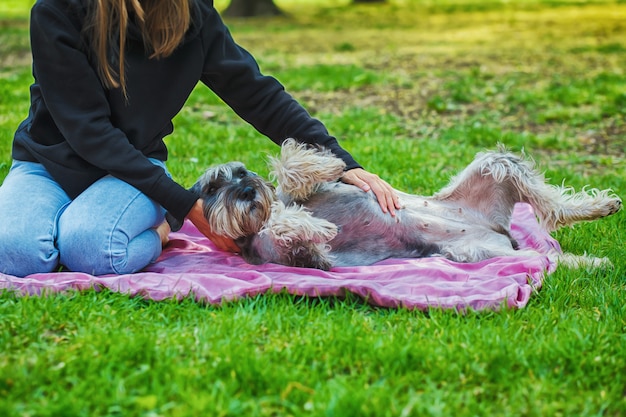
413, 90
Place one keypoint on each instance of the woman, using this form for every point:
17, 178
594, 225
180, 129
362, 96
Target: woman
88, 187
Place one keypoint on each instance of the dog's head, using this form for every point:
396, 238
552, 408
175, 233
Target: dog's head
237, 202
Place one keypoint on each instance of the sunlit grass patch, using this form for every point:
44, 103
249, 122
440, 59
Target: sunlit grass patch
329, 77
545, 75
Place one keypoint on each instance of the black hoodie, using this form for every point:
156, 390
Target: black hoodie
81, 131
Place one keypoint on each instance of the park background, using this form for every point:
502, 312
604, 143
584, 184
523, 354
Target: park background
413, 89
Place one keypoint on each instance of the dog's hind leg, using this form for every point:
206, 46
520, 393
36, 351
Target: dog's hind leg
496, 180
292, 236
301, 168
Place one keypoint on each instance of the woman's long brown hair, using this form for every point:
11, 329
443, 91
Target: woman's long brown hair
163, 24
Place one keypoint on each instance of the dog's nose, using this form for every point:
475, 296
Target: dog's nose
248, 193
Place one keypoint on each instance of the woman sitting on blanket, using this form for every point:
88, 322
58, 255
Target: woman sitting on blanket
88, 186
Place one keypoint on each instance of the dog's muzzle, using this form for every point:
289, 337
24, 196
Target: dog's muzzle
248, 193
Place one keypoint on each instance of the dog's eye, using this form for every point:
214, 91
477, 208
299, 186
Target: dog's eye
210, 190
243, 173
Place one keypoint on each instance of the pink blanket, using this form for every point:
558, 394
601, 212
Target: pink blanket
190, 266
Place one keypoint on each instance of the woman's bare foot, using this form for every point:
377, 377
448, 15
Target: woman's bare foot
164, 232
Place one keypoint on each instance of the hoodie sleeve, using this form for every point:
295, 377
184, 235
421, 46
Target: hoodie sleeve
234, 75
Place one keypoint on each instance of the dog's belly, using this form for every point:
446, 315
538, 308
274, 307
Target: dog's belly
366, 234
424, 227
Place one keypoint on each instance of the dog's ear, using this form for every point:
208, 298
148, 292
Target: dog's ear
175, 224
196, 189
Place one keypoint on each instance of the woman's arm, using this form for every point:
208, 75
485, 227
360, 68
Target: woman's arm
232, 73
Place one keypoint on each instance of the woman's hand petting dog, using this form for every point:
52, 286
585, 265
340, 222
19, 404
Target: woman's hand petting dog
196, 215
385, 194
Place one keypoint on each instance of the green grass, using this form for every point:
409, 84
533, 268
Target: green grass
413, 89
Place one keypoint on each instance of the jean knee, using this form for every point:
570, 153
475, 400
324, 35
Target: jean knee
91, 251
136, 254
27, 252
30, 204
108, 229
83, 248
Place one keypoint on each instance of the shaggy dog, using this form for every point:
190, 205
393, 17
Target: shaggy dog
311, 219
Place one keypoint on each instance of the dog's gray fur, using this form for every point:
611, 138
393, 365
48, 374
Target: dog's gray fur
313, 220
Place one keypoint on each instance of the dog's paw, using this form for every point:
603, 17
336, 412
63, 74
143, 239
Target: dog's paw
300, 168
310, 255
603, 202
606, 208
293, 224
614, 206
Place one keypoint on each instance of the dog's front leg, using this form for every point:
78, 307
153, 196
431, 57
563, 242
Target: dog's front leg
292, 237
301, 168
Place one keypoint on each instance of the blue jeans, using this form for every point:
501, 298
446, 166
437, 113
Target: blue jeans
108, 229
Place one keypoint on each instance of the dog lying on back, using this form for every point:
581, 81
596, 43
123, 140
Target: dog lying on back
311, 219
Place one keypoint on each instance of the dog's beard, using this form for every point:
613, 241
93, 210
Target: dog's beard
235, 215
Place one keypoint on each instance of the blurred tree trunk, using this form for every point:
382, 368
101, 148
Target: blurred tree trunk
250, 8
